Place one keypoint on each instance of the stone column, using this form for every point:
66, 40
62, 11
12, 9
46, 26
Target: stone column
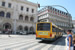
23, 17
5, 14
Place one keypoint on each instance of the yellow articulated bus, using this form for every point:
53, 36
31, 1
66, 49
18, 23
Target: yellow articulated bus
47, 31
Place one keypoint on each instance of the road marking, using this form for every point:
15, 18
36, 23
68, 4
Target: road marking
9, 42
57, 47
14, 44
37, 46
25, 46
46, 47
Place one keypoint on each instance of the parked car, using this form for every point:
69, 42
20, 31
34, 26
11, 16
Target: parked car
21, 32
5, 32
31, 32
24, 33
0, 32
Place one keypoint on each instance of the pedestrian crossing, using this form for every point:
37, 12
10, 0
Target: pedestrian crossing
46, 47
58, 47
27, 44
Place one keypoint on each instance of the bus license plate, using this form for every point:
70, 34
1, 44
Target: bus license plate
43, 33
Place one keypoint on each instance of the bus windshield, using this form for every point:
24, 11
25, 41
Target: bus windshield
43, 26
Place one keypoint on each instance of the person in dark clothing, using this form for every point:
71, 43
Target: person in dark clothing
74, 42
9, 32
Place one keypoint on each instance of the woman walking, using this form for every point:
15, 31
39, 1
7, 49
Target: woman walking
69, 40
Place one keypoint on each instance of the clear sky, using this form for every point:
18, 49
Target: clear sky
68, 4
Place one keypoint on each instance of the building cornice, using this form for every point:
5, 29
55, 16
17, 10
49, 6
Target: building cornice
26, 2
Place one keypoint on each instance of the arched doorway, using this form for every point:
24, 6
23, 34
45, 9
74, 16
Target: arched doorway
20, 28
7, 26
32, 30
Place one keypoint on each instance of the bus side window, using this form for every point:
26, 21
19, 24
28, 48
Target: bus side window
53, 29
57, 30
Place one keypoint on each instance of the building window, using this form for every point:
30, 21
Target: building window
9, 5
27, 9
26, 18
8, 15
66, 13
32, 10
55, 9
32, 19
60, 11
26, 28
20, 28
20, 17
21, 7
31, 29
51, 8
3, 3
2, 14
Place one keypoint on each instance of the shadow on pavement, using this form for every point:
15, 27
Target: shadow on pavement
59, 41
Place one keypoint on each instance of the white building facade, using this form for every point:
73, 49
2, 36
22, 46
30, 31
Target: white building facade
18, 15
58, 17
73, 25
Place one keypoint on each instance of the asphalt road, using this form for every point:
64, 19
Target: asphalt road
28, 42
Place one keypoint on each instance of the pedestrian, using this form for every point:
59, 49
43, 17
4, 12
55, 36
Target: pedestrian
9, 32
74, 42
69, 40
